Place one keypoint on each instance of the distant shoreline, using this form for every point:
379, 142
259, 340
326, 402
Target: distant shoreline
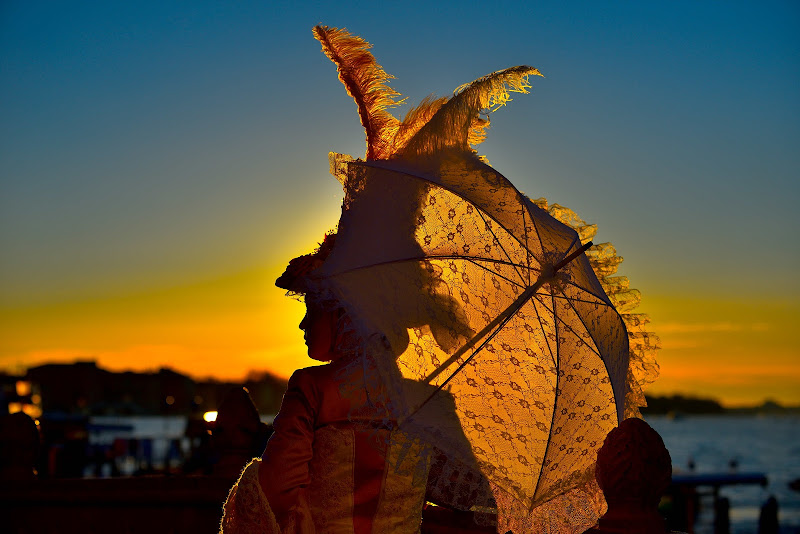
687, 405
85, 388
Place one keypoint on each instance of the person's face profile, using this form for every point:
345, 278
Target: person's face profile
318, 326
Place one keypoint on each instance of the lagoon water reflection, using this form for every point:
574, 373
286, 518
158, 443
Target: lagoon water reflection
754, 443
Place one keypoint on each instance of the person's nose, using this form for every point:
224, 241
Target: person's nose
304, 322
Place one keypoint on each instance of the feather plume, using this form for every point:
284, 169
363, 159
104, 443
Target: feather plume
458, 123
367, 83
415, 119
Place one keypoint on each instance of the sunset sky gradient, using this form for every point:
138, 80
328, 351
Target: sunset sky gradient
161, 162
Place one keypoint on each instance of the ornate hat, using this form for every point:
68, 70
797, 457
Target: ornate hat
295, 277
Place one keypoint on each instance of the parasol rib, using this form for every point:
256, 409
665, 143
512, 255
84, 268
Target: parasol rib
577, 335
552, 415
399, 170
527, 256
508, 312
488, 227
473, 259
499, 322
541, 326
574, 254
493, 328
507, 279
576, 299
495, 325
592, 293
605, 364
533, 220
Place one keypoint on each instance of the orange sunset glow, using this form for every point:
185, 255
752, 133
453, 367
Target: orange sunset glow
227, 327
239, 320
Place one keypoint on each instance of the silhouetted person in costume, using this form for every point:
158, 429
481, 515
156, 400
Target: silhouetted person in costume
337, 462
633, 469
238, 434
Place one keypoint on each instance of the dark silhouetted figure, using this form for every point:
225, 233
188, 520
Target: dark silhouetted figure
238, 435
634, 470
19, 447
768, 520
722, 522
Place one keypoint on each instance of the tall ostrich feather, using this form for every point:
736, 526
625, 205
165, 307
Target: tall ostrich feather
458, 123
367, 83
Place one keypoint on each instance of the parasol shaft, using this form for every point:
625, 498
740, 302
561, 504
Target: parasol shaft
498, 321
572, 256
512, 309
495, 326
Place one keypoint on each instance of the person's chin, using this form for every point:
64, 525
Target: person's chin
319, 355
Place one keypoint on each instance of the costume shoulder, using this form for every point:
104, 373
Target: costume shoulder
310, 386
314, 372
312, 380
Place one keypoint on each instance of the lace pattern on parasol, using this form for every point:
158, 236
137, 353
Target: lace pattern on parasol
448, 222
644, 344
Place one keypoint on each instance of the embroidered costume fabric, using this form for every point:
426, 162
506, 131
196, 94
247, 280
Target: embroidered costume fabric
333, 465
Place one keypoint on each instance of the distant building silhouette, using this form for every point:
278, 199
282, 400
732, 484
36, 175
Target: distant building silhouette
83, 388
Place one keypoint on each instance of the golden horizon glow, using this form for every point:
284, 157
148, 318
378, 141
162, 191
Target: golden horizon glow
737, 351
740, 351
221, 328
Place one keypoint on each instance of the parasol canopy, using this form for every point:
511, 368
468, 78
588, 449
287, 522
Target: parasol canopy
466, 295
489, 334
